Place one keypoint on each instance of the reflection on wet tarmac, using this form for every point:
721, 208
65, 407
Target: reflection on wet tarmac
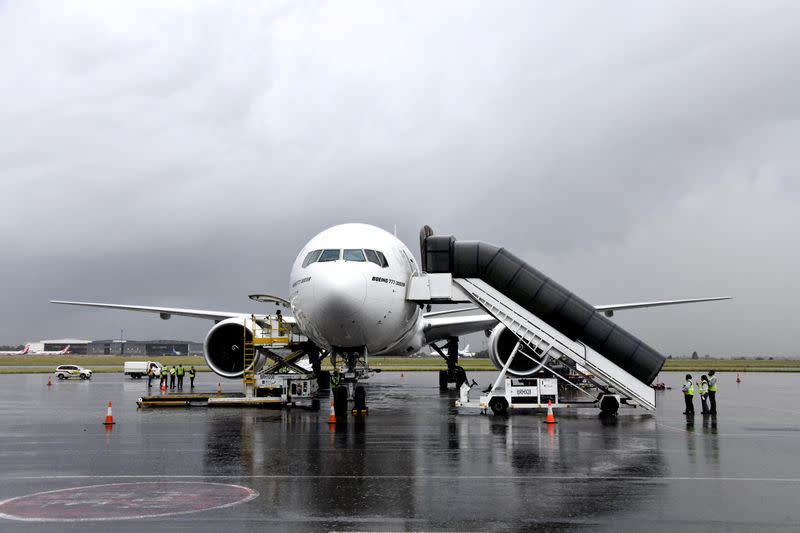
413, 459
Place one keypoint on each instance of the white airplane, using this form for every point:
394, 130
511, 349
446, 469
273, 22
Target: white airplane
23, 351
461, 353
347, 293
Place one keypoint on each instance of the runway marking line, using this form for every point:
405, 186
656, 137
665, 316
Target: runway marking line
124, 501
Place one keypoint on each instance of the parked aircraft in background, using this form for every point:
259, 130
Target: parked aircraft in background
23, 351
27, 351
461, 353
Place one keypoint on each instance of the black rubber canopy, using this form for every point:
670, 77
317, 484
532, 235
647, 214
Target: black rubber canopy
543, 297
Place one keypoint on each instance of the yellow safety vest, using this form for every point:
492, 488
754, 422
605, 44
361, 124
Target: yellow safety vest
172, 371
703, 388
712, 384
689, 389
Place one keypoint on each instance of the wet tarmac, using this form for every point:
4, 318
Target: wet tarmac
412, 464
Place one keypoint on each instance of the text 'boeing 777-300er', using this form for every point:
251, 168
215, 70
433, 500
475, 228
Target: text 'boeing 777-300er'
350, 293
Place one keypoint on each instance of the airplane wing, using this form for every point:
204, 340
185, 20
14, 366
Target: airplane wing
167, 312
439, 328
609, 309
450, 311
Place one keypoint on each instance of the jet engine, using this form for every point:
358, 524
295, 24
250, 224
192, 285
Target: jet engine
224, 348
501, 344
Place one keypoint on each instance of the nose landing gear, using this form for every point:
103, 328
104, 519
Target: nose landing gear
344, 384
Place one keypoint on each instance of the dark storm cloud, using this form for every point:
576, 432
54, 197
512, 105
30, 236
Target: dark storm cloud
182, 155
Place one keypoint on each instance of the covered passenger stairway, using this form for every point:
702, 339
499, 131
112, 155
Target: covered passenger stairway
551, 324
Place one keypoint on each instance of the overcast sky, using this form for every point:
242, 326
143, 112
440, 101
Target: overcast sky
182, 154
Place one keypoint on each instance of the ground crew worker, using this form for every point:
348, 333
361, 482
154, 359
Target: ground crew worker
336, 378
149, 377
688, 395
181, 371
163, 374
712, 391
192, 373
703, 394
172, 377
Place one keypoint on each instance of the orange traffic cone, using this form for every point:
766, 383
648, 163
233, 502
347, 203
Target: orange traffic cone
550, 419
332, 417
49, 383
109, 417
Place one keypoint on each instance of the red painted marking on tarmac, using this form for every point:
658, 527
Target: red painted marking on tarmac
124, 501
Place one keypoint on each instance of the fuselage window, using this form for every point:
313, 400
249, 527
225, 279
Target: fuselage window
384, 262
354, 255
329, 255
372, 257
311, 257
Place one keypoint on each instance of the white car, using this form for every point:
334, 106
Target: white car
72, 371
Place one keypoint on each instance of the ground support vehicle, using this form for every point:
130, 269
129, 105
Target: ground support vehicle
138, 369
72, 371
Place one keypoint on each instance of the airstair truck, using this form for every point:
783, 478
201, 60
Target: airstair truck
539, 322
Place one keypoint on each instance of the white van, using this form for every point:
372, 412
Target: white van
138, 369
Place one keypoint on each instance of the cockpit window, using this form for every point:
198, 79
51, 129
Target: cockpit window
312, 257
354, 255
372, 257
384, 262
329, 255
376, 257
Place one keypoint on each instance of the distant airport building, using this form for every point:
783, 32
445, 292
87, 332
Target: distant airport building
78, 346
155, 348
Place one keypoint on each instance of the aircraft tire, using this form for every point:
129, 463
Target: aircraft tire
360, 399
340, 402
443, 380
461, 377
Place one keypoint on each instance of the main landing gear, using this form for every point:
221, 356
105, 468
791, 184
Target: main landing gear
454, 373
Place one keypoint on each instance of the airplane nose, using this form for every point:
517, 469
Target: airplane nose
340, 293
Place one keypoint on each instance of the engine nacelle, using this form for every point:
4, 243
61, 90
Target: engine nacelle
501, 344
224, 348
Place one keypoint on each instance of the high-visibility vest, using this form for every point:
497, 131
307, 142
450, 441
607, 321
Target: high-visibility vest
712, 384
703, 388
180, 371
172, 371
689, 388
192, 372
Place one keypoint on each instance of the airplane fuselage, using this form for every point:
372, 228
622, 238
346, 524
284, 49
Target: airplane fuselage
347, 290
